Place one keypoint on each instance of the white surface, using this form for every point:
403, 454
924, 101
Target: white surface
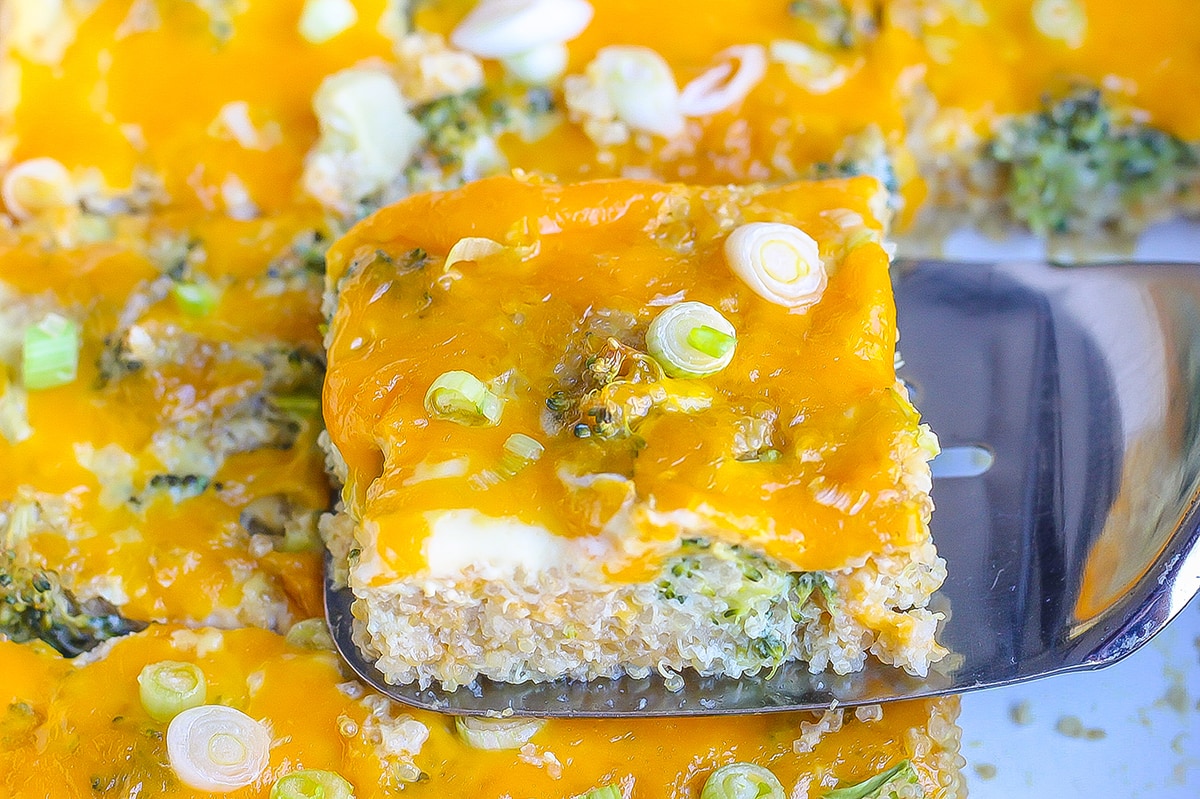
1147, 707
1143, 714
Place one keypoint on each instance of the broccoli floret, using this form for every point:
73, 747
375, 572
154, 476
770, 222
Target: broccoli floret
752, 598
453, 124
35, 605
1076, 164
838, 23
865, 154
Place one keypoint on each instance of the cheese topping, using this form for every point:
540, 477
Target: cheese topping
564, 348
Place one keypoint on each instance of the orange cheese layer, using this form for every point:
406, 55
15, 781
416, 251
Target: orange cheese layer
986, 62
74, 729
141, 85
620, 246
67, 728
778, 132
184, 559
1005, 65
117, 72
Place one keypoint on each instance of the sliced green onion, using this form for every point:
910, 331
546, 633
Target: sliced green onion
540, 66
299, 404
606, 792
1065, 20
321, 20
691, 339
196, 299
462, 398
471, 249
310, 634
742, 781
217, 748
781, 263
520, 450
880, 786
495, 734
710, 341
502, 28
641, 87
50, 355
170, 687
312, 784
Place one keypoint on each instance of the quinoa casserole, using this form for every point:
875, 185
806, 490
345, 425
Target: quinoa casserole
676, 441
172, 173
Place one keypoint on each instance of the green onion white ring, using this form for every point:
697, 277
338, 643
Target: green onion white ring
1065, 20
672, 340
742, 781
781, 263
460, 397
216, 748
503, 28
722, 86
321, 20
496, 734
641, 87
170, 687
538, 66
310, 634
471, 248
39, 184
312, 784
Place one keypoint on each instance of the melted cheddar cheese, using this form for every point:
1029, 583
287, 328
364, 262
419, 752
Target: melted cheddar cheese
824, 378
79, 729
200, 105
137, 482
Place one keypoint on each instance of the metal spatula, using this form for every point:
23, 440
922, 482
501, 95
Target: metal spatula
1068, 405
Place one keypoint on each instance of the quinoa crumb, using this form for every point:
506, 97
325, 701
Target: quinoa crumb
1072, 727
986, 771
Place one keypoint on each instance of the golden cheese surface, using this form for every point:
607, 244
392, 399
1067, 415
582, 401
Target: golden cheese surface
77, 730
583, 266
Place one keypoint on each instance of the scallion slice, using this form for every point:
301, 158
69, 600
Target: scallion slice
710, 341
196, 299
691, 339
321, 20
604, 792
781, 263
494, 734
50, 354
520, 450
299, 404
742, 781
461, 397
902, 773
170, 687
310, 634
217, 748
312, 784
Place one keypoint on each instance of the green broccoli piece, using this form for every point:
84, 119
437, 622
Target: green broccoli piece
1075, 164
453, 124
747, 592
35, 605
838, 23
